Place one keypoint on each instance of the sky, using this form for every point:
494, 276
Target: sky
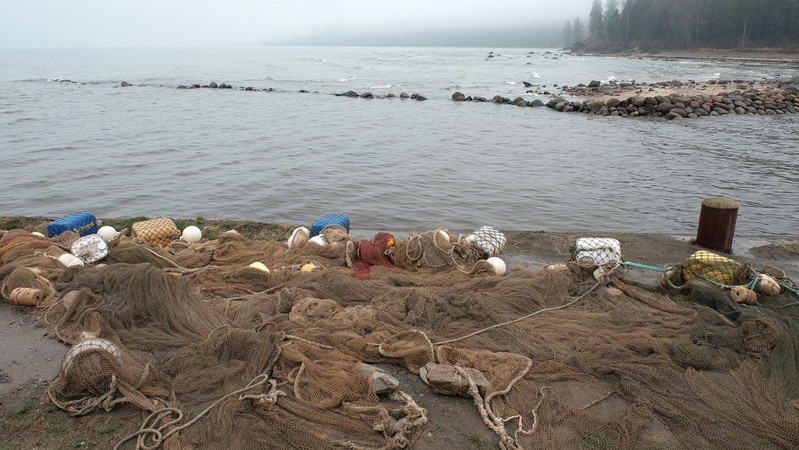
203, 23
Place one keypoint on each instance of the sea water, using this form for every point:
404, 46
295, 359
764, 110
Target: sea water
72, 139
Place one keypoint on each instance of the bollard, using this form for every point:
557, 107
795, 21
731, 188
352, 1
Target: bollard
717, 223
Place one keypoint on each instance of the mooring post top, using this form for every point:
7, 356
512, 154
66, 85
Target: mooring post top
720, 203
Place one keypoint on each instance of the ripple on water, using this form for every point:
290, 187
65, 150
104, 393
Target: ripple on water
388, 163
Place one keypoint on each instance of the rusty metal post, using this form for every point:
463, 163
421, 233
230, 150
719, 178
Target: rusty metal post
717, 223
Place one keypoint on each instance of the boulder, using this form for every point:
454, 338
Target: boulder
420, 97
445, 379
458, 97
673, 116
382, 382
682, 100
613, 102
225, 86
352, 94
550, 104
537, 102
679, 111
664, 107
125, 84
637, 101
404, 95
213, 85
367, 95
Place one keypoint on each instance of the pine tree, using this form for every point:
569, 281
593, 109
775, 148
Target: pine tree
595, 23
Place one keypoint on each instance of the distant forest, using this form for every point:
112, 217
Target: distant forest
618, 25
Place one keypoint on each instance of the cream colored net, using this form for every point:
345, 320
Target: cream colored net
223, 355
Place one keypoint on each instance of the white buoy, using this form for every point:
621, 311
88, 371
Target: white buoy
260, 266
108, 233
36, 233
69, 260
191, 234
318, 240
498, 264
299, 237
768, 285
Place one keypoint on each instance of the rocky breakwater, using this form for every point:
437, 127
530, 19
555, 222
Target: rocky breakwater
686, 101
518, 101
369, 95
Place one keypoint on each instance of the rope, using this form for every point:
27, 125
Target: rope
519, 319
495, 423
646, 266
750, 285
86, 404
173, 263
158, 436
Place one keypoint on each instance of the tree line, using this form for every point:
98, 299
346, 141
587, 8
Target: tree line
686, 24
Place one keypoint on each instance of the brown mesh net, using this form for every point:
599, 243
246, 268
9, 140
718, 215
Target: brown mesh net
157, 232
223, 355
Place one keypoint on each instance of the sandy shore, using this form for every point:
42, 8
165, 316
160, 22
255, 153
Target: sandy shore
664, 89
667, 88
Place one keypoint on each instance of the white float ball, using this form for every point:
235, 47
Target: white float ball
191, 234
36, 233
260, 266
768, 285
498, 264
107, 232
318, 240
299, 237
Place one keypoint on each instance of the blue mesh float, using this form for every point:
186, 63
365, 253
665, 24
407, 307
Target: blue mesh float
83, 223
330, 219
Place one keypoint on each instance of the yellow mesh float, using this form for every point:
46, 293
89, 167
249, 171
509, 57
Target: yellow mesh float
705, 264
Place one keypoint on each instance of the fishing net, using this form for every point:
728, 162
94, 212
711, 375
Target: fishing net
157, 232
220, 354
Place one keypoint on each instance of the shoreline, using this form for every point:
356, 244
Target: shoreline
526, 248
705, 54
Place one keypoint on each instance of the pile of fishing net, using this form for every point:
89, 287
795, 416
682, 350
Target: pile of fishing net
220, 353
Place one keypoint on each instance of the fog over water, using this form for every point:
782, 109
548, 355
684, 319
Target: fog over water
204, 23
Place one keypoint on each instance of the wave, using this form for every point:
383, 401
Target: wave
346, 79
536, 75
387, 86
